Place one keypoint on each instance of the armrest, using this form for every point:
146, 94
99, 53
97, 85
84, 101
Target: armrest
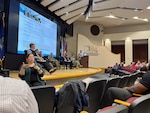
122, 102
137, 95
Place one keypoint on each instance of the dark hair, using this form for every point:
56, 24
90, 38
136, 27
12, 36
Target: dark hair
28, 55
31, 44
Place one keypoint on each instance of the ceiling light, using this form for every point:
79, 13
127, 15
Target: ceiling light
135, 17
148, 7
145, 19
142, 19
110, 16
123, 18
136, 9
67, 13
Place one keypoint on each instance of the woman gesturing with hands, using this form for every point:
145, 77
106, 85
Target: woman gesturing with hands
31, 72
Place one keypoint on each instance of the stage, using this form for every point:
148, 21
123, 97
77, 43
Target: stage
63, 75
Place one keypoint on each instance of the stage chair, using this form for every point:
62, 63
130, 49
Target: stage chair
45, 96
134, 104
95, 91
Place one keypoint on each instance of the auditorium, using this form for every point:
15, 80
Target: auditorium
75, 56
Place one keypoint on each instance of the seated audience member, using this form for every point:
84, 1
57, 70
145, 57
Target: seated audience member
142, 87
148, 65
134, 66
31, 72
115, 69
143, 67
49, 67
16, 97
54, 61
138, 64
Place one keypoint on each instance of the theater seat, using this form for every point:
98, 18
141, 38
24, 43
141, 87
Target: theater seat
95, 91
135, 105
45, 96
114, 109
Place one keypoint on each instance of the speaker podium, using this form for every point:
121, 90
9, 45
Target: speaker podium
84, 61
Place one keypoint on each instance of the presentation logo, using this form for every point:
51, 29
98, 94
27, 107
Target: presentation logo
30, 15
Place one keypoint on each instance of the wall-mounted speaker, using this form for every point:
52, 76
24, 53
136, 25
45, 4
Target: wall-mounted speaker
95, 30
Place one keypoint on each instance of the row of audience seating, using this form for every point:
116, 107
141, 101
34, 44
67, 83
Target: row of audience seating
45, 95
132, 105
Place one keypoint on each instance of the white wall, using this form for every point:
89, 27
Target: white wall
84, 29
110, 34
128, 37
99, 56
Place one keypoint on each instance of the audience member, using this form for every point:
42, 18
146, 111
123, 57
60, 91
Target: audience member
143, 67
133, 66
148, 65
138, 64
16, 97
142, 87
31, 72
115, 69
47, 65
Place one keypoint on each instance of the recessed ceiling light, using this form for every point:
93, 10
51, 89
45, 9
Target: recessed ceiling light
148, 7
145, 19
142, 19
135, 17
110, 16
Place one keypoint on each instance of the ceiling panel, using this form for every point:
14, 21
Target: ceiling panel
140, 4
72, 7
125, 13
47, 2
73, 19
106, 5
60, 4
70, 11
74, 13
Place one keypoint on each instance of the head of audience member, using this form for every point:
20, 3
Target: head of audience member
32, 46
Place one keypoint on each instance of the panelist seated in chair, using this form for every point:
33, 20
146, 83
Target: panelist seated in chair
75, 62
54, 61
142, 87
49, 67
67, 61
31, 72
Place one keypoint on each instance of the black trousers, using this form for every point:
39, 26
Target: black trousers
46, 65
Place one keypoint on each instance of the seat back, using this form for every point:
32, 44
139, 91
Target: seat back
141, 104
123, 81
95, 91
113, 82
45, 96
132, 79
114, 109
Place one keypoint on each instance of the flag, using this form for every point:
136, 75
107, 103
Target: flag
64, 47
2, 36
